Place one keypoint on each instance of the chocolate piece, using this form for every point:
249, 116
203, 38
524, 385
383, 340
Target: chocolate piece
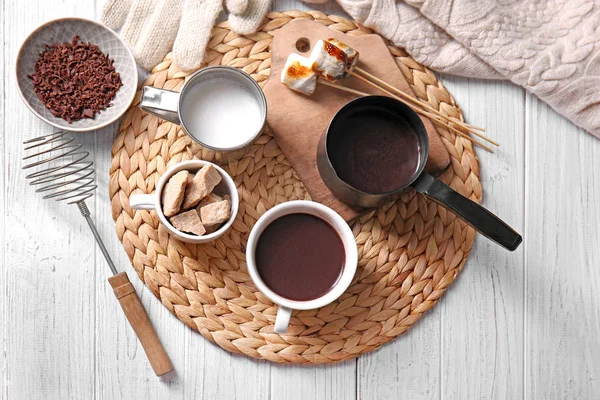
188, 221
215, 213
201, 185
173, 192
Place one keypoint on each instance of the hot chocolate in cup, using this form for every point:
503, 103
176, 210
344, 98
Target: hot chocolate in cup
301, 255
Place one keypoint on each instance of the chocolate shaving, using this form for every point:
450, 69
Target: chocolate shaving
75, 80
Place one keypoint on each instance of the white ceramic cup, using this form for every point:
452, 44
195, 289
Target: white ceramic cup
153, 201
351, 255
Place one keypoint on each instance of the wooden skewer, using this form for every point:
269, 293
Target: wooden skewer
413, 99
426, 106
342, 88
433, 118
475, 127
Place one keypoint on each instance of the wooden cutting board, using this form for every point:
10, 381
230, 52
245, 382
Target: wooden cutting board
298, 121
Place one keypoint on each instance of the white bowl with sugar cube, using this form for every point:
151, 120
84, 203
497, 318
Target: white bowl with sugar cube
196, 200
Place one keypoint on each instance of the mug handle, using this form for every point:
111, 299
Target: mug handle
472, 213
282, 320
162, 103
142, 201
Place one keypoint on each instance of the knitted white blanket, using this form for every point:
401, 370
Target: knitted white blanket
549, 47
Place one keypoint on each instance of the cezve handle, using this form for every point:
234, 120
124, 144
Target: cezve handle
138, 318
472, 213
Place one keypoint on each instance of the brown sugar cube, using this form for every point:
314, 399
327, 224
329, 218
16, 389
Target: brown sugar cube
188, 221
211, 198
172, 194
203, 183
215, 213
211, 229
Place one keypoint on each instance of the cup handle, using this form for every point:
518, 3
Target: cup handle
282, 320
142, 201
472, 213
162, 103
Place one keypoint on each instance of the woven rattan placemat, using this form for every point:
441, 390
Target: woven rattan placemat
409, 251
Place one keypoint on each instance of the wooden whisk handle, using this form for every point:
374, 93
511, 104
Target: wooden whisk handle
138, 318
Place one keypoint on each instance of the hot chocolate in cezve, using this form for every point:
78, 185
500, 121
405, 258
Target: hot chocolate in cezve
373, 150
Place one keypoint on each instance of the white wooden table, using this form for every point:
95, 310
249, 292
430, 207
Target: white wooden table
513, 326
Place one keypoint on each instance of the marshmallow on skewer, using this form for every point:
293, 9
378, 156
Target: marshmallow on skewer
328, 61
298, 75
351, 54
330, 58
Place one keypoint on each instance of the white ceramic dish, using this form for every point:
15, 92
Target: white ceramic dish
351, 254
60, 31
153, 201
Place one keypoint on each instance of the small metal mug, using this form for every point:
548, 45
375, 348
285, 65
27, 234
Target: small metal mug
166, 104
472, 213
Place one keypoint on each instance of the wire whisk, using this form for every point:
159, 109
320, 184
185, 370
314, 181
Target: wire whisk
65, 174
61, 171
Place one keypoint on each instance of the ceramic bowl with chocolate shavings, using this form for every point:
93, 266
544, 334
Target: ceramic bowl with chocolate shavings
76, 74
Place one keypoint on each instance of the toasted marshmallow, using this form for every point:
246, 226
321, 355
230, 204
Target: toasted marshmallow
298, 75
351, 54
328, 61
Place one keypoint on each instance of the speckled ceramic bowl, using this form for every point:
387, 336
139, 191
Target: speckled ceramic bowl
60, 31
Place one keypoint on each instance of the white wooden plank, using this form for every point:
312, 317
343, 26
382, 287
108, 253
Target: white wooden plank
3, 261
50, 277
562, 257
336, 381
408, 367
211, 373
482, 313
